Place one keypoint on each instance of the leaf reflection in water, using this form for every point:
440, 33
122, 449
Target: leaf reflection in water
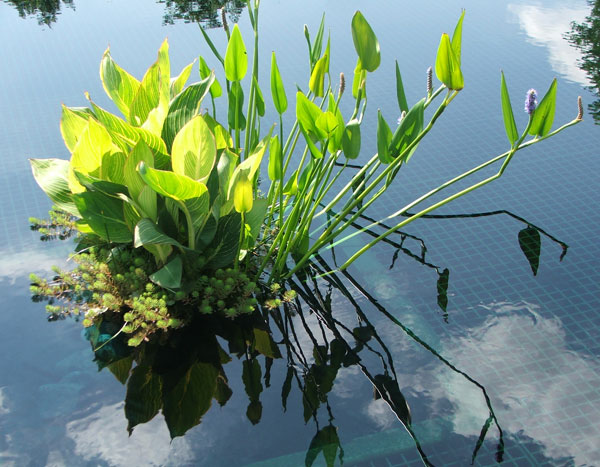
182, 375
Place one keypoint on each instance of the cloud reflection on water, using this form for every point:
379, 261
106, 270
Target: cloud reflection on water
546, 25
540, 389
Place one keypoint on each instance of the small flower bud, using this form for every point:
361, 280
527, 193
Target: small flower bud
530, 101
224, 20
342, 83
579, 108
429, 81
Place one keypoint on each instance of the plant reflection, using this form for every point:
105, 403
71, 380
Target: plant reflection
204, 12
586, 37
181, 375
46, 11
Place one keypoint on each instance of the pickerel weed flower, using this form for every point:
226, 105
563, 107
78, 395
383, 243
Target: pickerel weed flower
530, 101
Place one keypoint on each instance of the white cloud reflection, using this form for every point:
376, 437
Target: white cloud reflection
100, 436
539, 387
39, 260
546, 25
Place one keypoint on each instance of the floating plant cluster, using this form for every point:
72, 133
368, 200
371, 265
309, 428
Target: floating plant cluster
171, 216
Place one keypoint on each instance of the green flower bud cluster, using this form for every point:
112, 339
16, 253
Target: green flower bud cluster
279, 298
227, 291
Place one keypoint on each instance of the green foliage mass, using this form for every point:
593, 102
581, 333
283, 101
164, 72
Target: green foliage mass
116, 285
178, 188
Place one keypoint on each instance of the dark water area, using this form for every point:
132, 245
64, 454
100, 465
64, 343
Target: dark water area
502, 364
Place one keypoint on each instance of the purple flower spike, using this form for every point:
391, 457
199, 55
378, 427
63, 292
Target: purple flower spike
530, 101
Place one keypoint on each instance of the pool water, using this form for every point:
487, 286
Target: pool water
525, 346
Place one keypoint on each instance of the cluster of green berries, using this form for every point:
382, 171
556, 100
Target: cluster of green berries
227, 291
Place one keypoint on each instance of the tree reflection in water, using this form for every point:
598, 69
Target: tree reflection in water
586, 37
204, 12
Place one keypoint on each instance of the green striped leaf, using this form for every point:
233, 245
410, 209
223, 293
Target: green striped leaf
170, 184
194, 150
183, 108
104, 215
147, 97
169, 276
51, 176
131, 135
178, 83
72, 125
148, 233
120, 86
205, 71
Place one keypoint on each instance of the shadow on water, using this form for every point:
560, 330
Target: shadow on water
586, 37
207, 13
307, 339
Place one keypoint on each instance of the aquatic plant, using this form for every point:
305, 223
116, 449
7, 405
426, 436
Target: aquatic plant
181, 188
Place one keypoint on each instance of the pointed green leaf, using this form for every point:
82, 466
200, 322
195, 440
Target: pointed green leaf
242, 193
317, 78
507, 113
351, 139
259, 100
447, 66
178, 83
52, 177
205, 71
251, 164
277, 88
327, 123
317, 47
457, 37
335, 139
308, 113
148, 233
236, 105
400, 91
94, 148
194, 150
130, 134
236, 58
169, 276
543, 115
138, 190
224, 247
365, 43
384, 138
147, 96
275, 168
120, 86
104, 215
183, 108
170, 184
409, 129
72, 125
360, 76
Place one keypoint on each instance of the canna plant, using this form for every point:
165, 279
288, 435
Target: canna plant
183, 184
